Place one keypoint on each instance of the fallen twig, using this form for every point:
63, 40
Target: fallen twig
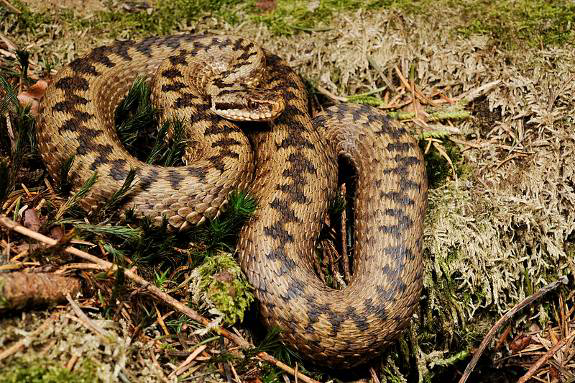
86, 321
19, 290
374, 377
330, 95
475, 93
344, 255
185, 364
155, 291
533, 369
298, 375
10, 7
526, 302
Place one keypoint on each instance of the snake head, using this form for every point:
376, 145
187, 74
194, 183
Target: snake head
248, 104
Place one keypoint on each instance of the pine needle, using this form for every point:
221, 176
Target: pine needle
135, 114
72, 201
120, 193
10, 101
122, 232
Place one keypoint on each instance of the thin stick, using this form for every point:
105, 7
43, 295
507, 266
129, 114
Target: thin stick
374, 377
153, 290
184, 365
330, 95
286, 368
86, 321
529, 374
10, 7
526, 302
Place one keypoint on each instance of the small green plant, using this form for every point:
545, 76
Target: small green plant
135, 114
23, 145
121, 232
161, 278
119, 194
136, 122
168, 152
64, 185
118, 256
117, 291
220, 233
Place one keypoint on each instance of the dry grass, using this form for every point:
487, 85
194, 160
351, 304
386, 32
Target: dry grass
493, 235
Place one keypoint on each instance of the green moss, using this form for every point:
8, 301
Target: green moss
508, 22
511, 23
46, 371
166, 16
290, 17
223, 283
26, 20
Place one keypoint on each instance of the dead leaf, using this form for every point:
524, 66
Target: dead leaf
57, 233
520, 342
31, 220
266, 5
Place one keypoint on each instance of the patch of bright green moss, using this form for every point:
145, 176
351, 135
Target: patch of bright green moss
44, 371
165, 17
536, 22
27, 20
225, 286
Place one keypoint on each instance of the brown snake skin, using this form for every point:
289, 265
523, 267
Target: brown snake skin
291, 170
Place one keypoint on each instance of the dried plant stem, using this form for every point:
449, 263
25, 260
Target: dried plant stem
153, 290
86, 321
10, 7
298, 375
186, 363
330, 95
544, 359
508, 315
374, 377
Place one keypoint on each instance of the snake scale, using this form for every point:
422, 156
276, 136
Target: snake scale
289, 166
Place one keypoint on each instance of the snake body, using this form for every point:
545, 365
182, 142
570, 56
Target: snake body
291, 171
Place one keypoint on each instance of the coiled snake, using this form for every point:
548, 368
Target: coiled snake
292, 172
